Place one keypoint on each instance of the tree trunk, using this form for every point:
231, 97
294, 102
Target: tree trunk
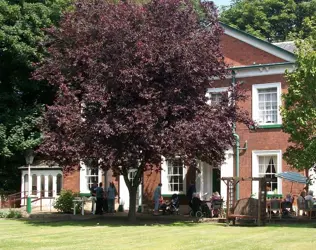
132, 204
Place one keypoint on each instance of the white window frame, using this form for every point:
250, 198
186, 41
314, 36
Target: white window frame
255, 101
165, 181
84, 178
211, 91
255, 167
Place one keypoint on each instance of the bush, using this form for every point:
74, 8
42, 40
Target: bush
16, 214
64, 202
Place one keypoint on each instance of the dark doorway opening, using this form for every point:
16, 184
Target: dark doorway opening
216, 180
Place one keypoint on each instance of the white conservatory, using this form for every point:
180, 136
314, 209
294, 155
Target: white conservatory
46, 184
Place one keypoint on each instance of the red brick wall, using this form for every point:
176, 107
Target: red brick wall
150, 182
238, 53
72, 180
262, 139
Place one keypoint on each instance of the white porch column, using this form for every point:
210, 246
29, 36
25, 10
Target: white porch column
22, 189
54, 185
202, 179
46, 186
38, 186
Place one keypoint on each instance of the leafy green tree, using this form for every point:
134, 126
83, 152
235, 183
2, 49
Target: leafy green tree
22, 100
299, 111
274, 20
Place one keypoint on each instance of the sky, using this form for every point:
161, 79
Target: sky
219, 3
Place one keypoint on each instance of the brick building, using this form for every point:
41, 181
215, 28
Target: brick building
260, 66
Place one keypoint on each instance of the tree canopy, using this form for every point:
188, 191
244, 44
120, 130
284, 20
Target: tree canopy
22, 99
299, 111
274, 20
131, 85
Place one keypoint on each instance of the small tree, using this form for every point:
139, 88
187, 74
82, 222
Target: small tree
132, 83
299, 111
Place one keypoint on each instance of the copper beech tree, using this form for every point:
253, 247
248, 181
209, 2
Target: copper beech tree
131, 83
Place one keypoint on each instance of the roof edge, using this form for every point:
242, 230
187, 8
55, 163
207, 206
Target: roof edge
263, 42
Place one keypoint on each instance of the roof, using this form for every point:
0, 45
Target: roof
274, 49
289, 46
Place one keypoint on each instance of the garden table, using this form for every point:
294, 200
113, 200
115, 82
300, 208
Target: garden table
78, 202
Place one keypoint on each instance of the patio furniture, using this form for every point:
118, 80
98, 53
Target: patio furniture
310, 208
275, 206
245, 209
218, 205
292, 177
77, 202
248, 208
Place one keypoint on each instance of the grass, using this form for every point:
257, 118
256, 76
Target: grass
101, 234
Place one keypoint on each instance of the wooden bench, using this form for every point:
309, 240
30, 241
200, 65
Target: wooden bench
233, 217
246, 209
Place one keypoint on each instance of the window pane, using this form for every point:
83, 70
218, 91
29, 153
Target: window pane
59, 183
181, 170
50, 186
34, 184
26, 184
42, 185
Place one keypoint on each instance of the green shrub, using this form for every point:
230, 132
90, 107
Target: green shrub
64, 202
2, 214
16, 214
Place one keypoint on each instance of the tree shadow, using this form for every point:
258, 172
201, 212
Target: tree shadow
112, 222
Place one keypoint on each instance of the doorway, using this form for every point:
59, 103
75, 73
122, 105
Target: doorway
124, 194
216, 180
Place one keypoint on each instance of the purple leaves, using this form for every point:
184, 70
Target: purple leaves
132, 82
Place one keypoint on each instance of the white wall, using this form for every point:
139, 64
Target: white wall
227, 170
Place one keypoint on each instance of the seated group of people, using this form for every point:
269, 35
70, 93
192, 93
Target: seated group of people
287, 203
206, 207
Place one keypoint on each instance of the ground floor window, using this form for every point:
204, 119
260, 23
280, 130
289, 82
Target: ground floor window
267, 163
173, 176
89, 174
268, 166
92, 176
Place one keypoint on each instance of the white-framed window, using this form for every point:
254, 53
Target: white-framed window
215, 95
89, 175
173, 176
92, 176
266, 102
267, 163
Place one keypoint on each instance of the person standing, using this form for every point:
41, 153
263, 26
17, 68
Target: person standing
191, 190
111, 197
93, 197
99, 196
157, 196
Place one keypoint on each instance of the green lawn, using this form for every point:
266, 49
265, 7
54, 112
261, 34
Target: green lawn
91, 235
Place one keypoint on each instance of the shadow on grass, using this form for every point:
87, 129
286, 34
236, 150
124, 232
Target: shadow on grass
111, 222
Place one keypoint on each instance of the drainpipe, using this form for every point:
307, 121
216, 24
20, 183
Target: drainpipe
238, 148
237, 142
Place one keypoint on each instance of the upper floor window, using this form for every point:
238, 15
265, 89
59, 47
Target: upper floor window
266, 102
214, 95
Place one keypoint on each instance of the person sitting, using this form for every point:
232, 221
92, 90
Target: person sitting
215, 197
309, 196
301, 202
287, 204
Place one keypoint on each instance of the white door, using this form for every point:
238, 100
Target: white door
124, 194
